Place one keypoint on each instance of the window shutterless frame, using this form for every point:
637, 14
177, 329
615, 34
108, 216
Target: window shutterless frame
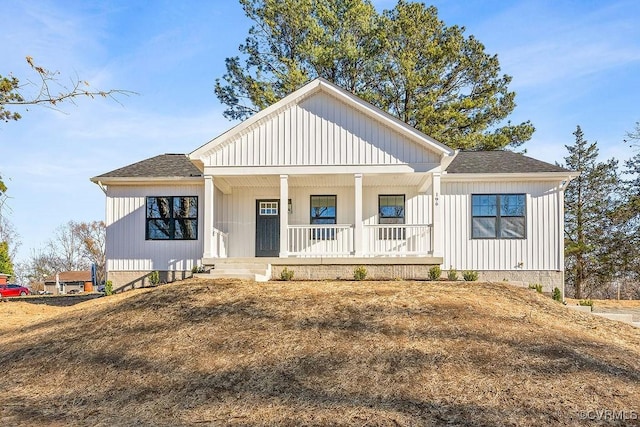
499, 216
323, 210
391, 211
171, 218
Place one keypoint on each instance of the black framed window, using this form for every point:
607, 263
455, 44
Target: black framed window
391, 211
323, 211
498, 216
172, 218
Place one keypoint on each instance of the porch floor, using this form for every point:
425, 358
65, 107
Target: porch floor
396, 260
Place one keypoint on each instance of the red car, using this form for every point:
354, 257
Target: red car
13, 291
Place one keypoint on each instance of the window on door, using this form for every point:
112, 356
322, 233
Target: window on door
323, 212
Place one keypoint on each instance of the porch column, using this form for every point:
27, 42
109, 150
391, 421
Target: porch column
284, 216
208, 203
357, 232
436, 223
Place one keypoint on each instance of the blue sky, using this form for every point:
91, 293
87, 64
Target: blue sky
572, 63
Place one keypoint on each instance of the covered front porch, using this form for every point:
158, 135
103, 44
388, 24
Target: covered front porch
356, 217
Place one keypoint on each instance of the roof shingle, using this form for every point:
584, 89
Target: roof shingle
162, 166
499, 162
71, 276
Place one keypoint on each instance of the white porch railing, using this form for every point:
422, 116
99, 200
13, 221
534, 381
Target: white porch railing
378, 240
220, 243
397, 239
326, 240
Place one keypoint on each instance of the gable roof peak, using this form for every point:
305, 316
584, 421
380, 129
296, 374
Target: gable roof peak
332, 89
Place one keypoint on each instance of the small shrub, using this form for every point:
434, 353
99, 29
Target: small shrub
470, 276
452, 274
557, 295
434, 272
536, 286
586, 302
360, 273
154, 278
198, 269
108, 287
286, 274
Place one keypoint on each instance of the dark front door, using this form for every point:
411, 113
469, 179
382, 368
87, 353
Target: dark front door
267, 228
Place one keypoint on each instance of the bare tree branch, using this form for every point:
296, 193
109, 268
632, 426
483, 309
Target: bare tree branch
50, 91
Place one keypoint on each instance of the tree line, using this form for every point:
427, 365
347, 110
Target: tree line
74, 246
602, 222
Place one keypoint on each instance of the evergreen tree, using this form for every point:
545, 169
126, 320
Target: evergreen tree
405, 61
627, 253
6, 266
590, 205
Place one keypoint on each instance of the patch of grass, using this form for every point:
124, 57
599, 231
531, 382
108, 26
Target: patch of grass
536, 287
586, 303
225, 352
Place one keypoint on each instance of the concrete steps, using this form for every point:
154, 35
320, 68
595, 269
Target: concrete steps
237, 269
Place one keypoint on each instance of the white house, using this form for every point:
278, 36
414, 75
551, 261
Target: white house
322, 182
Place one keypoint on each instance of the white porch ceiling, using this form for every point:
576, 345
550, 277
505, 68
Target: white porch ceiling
270, 181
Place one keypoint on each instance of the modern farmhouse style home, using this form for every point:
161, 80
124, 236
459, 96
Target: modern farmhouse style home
322, 182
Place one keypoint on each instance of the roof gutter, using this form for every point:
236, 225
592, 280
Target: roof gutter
547, 176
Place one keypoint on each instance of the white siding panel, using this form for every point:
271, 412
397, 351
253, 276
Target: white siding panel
126, 247
538, 251
319, 130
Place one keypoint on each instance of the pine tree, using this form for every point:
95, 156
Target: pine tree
590, 205
405, 61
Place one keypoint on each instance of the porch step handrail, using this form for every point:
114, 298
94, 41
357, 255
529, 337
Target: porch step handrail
220, 243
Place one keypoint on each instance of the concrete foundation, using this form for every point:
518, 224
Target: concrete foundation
127, 280
548, 279
345, 271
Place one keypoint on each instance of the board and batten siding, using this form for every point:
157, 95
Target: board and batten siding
126, 247
320, 130
540, 250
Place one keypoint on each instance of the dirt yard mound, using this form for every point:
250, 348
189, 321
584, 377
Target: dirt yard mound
317, 353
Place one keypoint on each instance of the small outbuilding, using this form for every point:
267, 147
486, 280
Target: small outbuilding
69, 282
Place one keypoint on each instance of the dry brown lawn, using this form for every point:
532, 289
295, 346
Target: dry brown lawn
317, 353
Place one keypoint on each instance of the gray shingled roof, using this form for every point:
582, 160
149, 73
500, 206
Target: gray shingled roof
162, 166
499, 162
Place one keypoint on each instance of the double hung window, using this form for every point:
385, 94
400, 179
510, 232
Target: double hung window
498, 216
391, 211
323, 212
